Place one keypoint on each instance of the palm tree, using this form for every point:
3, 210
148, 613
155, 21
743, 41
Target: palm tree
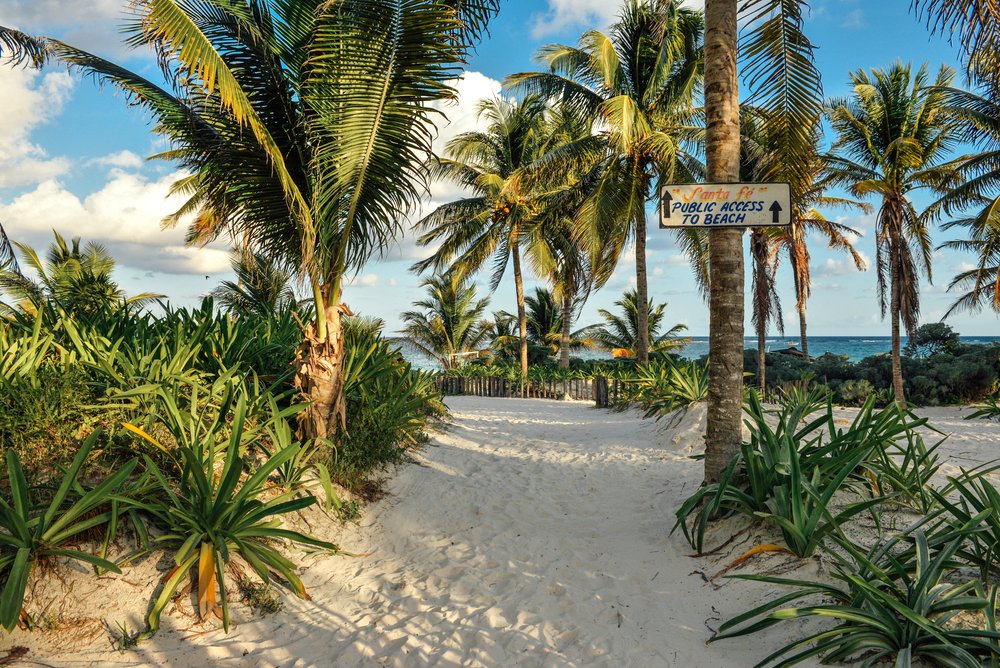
489, 225
758, 162
807, 218
621, 332
972, 24
979, 119
77, 279
637, 83
451, 326
305, 126
262, 287
780, 70
892, 136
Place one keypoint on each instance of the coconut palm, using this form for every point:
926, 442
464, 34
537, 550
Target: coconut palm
759, 162
892, 136
782, 78
73, 277
620, 332
637, 82
979, 118
450, 327
490, 225
807, 219
972, 25
305, 126
262, 287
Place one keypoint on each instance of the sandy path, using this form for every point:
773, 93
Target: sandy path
530, 533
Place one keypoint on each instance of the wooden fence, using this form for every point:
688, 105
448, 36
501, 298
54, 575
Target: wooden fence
602, 391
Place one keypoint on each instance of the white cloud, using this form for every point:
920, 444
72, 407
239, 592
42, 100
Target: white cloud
92, 25
564, 14
122, 159
30, 99
124, 214
841, 267
366, 281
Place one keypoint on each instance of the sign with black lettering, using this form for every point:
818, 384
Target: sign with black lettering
714, 205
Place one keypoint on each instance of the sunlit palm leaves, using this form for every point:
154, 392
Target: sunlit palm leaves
75, 278
621, 331
974, 25
979, 118
637, 82
450, 327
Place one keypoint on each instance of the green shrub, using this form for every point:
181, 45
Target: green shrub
855, 392
884, 610
32, 528
209, 515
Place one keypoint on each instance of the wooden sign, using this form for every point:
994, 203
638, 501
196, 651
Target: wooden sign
715, 205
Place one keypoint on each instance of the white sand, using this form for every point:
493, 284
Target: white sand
530, 533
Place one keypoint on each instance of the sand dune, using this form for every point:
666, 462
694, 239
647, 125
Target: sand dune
529, 533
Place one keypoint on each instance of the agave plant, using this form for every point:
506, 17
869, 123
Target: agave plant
211, 515
885, 611
30, 531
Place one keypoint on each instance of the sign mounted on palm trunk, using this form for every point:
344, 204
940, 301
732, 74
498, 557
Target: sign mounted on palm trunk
714, 205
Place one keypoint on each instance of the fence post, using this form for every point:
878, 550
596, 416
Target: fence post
601, 391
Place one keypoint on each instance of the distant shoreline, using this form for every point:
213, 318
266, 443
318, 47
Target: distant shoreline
855, 347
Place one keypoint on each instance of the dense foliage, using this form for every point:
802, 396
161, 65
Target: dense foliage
956, 374
187, 424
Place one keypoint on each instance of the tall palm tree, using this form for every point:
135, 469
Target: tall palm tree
451, 326
262, 287
621, 332
637, 83
76, 278
490, 225
972, 24
305, 125
782, 79
892, 136
979, 119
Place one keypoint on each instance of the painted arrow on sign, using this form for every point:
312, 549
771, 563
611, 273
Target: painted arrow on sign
665, 202
776, 212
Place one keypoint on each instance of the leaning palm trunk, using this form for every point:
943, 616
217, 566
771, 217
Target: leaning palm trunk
641, 288
725, 362
522, 316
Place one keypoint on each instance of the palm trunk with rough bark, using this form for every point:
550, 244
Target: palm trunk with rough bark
894, 314
726, 308
522, 316
319, 373
761, 359
567, 317
803, 337
642, 291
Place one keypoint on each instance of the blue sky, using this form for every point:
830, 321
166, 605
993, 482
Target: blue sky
72, 157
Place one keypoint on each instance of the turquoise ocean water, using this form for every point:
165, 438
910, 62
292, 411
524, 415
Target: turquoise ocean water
855, 347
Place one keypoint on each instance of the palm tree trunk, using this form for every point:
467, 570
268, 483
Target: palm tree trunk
319, 373
897, 362
522, 317
801, 305
761, 358
725, 361
567, 317
642, 292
